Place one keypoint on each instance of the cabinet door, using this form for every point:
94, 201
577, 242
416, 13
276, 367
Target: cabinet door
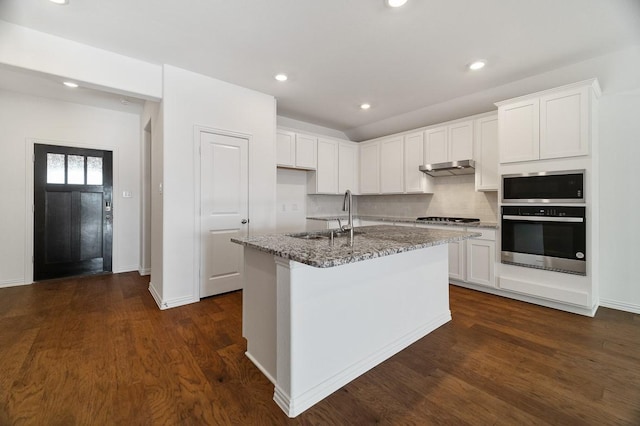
285, 148
460, 141
519, 131
327, 168
457, 253
457, 261
370, 168
486, 153
348, 168
435, 145
481, 257
564, 124
306, 151
414, 179
392, 166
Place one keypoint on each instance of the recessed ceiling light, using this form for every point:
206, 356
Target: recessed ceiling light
281, 77
365, 106
396, 3
61, 2
70, 84
477, 65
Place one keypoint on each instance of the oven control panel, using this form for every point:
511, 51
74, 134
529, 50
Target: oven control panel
547, 211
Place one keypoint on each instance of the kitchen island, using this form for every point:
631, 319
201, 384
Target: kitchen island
319, 312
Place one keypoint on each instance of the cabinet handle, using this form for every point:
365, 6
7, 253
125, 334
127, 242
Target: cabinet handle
244, 221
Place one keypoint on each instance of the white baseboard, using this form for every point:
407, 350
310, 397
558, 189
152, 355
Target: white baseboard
621, 306
260, 367
155, 295
171, 303
13, 283
123, 269
295, 406
144, 271
589, 312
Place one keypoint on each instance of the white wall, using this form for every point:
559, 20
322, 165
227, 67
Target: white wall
96, 68
191, 100
620, 199
305, 127
291, 200
152, 113
24, 117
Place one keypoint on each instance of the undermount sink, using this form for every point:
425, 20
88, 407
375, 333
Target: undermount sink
323, 235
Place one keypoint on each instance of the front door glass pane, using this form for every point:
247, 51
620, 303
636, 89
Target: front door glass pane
75, 173
94, 170
55, 168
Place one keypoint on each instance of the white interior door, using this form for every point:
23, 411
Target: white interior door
224, 211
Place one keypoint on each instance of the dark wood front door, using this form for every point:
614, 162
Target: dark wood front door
73, 211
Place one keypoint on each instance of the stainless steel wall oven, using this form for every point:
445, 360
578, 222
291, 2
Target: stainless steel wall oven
545, 237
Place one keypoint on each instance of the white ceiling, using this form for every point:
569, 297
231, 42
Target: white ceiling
340, 53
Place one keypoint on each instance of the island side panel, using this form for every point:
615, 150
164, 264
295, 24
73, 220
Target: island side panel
334, 324
259, 310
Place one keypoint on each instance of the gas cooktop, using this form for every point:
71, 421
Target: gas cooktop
448, 219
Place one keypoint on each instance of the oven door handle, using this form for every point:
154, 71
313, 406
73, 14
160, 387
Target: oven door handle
544, 218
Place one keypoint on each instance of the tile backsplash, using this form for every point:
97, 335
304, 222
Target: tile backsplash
453, 196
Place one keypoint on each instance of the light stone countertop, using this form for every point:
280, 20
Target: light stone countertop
369, 242
490, 225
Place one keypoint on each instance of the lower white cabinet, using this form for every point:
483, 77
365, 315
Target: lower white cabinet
457, 250
457, 267
481, 258
472, 261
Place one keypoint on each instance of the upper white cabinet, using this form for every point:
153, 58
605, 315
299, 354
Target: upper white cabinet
370, 167
392, 165
486, 153
337, 168
414, 180
449, 143
348, 167
553, 124
436, 150
564, 124
327, 169
295, 150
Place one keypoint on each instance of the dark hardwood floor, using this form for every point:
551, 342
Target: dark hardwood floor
97, 350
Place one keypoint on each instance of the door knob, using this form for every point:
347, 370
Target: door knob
244, 221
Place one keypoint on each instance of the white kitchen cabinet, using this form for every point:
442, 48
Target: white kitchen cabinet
326, 175
348, 167
392, 165
415, 181
285, 148
306, 151
556, 123
370, 167
486, 153
457, 253
481, 258
435, 143
295, 150
453, 142
519, 131
564, 124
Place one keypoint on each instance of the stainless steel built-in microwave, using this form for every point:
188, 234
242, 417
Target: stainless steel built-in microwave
544, 187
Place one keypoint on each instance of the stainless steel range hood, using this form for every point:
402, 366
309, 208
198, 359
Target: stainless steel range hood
451, 168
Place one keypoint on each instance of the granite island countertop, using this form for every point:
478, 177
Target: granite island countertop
369, 242
481, 224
